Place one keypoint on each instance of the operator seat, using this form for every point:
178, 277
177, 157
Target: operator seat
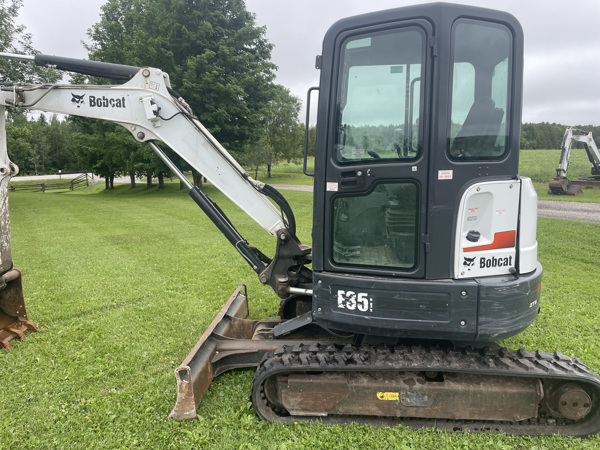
479, 132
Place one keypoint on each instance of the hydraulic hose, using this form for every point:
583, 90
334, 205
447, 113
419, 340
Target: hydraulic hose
280, 200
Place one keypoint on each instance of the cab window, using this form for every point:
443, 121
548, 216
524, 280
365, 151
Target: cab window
478, 128
378, 228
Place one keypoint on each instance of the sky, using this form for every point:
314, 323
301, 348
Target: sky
562, 44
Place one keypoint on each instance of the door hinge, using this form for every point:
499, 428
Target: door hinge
425, 240
318, 61
433, 45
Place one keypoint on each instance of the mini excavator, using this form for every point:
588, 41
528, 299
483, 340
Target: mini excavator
424, 248
561, 185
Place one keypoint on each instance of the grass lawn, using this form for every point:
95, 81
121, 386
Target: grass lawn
123, 284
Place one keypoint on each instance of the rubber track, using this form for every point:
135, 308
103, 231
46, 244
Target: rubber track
498, 362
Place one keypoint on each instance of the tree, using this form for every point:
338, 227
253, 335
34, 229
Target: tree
256, 155
281, 134
281, 127
99, 147
61, 156
39, 145
216, 56
14, 39
18, 142
312, 140
543, 135
152, 166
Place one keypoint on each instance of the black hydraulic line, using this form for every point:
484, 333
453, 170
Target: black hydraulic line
85, 67
173, 92
215, 214
280, 200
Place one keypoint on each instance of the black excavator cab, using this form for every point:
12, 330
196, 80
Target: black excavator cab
418, 106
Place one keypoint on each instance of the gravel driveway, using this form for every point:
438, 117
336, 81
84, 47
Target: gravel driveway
588, 212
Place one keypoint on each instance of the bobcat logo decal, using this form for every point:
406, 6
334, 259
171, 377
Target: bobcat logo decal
77, 99
469, 262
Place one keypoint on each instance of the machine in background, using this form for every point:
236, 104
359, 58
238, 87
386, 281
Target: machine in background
561, 184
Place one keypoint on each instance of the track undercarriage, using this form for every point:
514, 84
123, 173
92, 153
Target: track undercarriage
460, 389
441, 385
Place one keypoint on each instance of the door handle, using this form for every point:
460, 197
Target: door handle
352, 179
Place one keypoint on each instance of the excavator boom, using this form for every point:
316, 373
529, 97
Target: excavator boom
147, 109
153, 112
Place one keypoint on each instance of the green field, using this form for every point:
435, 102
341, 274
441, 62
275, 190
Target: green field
540, 165
123, 284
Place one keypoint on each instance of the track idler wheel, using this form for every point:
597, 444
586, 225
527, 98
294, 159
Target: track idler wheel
571, 401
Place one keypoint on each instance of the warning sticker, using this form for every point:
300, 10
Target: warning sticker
445, 174
333, 187
393, 396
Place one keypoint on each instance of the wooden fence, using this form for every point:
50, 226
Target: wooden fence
50, 185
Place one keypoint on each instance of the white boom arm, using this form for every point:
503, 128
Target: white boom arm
146, 108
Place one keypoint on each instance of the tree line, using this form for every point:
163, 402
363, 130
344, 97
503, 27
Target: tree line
535, 136
217, 58
45, 146
41, 146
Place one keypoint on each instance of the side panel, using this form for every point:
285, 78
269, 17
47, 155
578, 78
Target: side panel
507, 305
527, 227
486, 231
397, 307
482, 309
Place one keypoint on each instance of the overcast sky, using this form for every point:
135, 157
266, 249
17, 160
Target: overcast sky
562, 44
